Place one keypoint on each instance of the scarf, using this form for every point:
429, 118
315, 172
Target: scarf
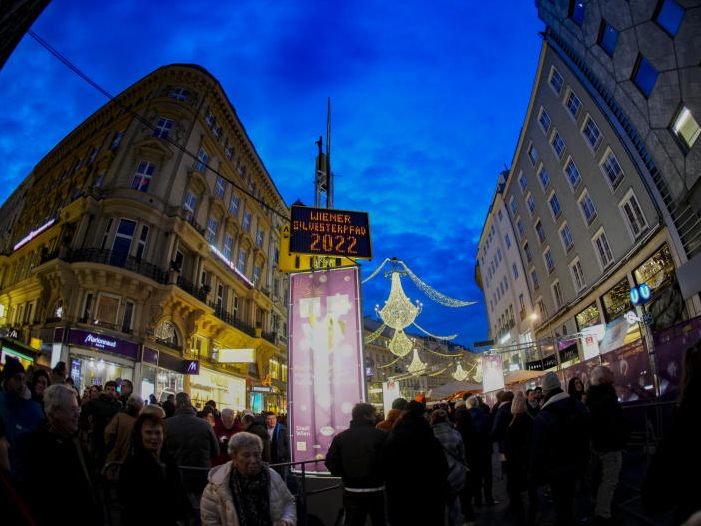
252, 497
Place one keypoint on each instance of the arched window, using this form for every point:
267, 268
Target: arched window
58, 309
167, 334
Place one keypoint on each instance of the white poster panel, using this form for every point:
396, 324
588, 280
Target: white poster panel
492, 373
390, 392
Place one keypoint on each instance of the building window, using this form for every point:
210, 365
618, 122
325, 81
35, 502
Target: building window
558, 145
163, 127
500, 215
93, 154
587, 207
549, 260
179, 93
234, 204
669, 16
514, 268
141, 244
555, 80
229, 151
557, 294
577, 275
534, 279
527, 251
644, 76
573, 103
209, 119
202, 159
117, 140
531, 204
634, 216
539, 230
216, 131
543, 177
520, 227
142, 176
566, 237
576, 11
212, 230
555, 206
220, 186
533, 154
256, 274
259, 237
246, 220
591, 132
514, 206
507, 240
122, 241
228, 245
572, 173
498, 256
522, 183
241, 263
190, 202
608, 37
602, 249
685, 127
544, 120
612, 169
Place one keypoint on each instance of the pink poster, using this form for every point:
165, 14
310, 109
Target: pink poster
492, 373
326, 357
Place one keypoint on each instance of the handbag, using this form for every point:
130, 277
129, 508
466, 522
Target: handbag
457, 472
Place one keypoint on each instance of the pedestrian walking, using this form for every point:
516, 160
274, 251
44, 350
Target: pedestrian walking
479, 452
355, 455
224, 429
517, 449
245, 491
454, 450
98, 413
609, 433
118, 433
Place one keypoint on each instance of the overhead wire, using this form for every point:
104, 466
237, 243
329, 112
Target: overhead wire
115, 99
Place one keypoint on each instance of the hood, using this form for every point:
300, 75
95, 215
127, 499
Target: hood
555, 398
220, 474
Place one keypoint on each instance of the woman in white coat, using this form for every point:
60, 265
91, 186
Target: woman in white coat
245, 491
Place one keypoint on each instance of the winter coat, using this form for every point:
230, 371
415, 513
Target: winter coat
223, 436
388, 423
355, 455
609, 431
560, 444
100, 410
118, 437
501, 422
144, 481
454, 451
479, 451
54, 471
415, 464
190, 440
279, 445
217, 504
257, 428
18, 416
517, 448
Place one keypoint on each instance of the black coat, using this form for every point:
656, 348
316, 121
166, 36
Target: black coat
609, 431
479, 452
152, 492
355, 455
257, 428
100, 411
416, 471
55, 472
280, 445
517, 448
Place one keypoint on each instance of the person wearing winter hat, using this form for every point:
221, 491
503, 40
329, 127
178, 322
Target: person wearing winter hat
560, 446
19, 414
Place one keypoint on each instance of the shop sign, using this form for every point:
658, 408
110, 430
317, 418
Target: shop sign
237, 356
149, 355
34, 233
103, 342
326, 232
179, 365
326, 359
262, 389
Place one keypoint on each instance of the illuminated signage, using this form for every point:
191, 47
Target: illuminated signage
237, 356
34, 233
231, 266
326, 360
640, 294
103, 342
326, 232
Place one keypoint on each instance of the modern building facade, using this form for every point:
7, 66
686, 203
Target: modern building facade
144, 246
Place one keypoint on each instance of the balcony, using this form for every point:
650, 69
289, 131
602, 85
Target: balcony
117, 327
231, 319
117, 259
269, 336
198, 292
190, 219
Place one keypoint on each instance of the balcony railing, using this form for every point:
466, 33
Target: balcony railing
269, 336
198, 292
231, 319
118, 327
117, 259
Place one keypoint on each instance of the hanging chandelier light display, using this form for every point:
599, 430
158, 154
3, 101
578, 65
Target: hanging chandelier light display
416, 365
460, 374
398, 313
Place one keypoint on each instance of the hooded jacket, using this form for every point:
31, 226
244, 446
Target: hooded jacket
217, 505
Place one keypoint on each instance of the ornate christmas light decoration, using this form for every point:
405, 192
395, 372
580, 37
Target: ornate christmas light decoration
416, 365
398, 313
400, 344
372, 337
460, 374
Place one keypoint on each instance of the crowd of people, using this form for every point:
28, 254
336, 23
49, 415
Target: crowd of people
168, 464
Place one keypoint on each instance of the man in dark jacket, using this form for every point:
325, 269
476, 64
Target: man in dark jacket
100, 411
479, 452
355, 456
253, 424
52, 458
502, 419
608, 437
560, 447
191, 442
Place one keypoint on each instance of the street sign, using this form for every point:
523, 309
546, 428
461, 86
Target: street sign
289, 262
328, 232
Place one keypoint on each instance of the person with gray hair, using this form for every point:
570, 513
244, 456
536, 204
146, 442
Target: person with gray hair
118, 431
224, 429
52, 457
609, 433
246, 491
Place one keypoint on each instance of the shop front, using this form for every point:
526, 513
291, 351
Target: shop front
267, 398
225, 389
16, 349
96, 358
163, 374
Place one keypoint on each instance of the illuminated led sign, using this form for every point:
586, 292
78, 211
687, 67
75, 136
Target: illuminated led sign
237, 356
34, 233
325, 232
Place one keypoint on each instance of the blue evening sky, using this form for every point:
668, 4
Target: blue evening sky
427, 102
